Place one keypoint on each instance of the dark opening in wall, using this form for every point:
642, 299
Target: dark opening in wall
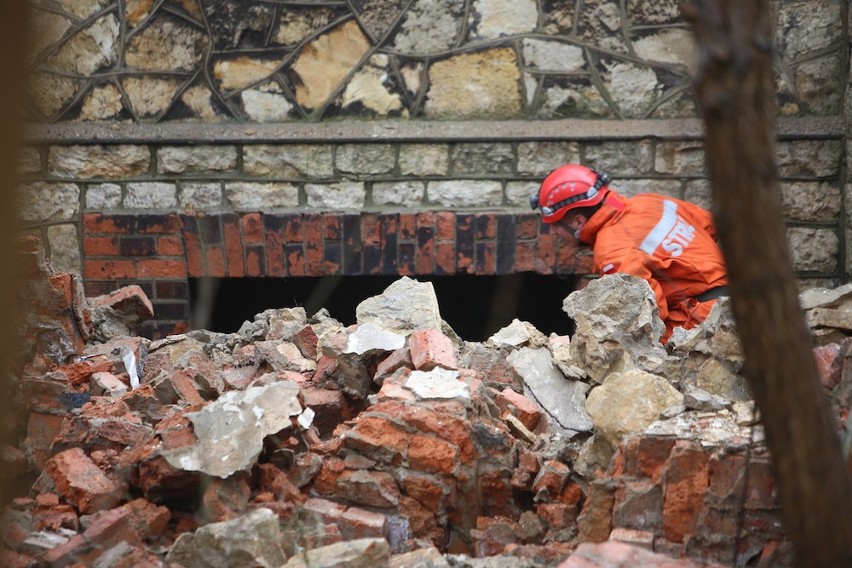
474, 306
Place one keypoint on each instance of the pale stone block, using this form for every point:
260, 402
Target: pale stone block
621, 158
404, 193
633, 88
88, 50
166, 44
820, 85
102, 103
341, 195
675, 46
499, 18
200, 196
430, 26
518, 193
310, 161
632, 187
64, 248
103, 196
481, 158
818, 158
424, 159
263, 106
804, 27
680, 158
366, 158
814, 249
245, 196
541, 158
51, 93
29, 161
45, 201
698, 191
553, 56
85, 162
151, 195
195, 159
465, 193
485, 84
150, 95
811, 201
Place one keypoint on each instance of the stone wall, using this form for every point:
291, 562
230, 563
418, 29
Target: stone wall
181, 138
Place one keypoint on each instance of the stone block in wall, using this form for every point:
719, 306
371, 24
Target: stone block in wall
200, 196
248, 196
265, 106
621, 158
475, 85
150, 96
804, 27
631, 187
544, 55
675, 46
541, 158
811, 201
196, 159
311, 161
64, 246
401, 193
465, 193
518, 193
166, 43
366, 158
45, 201
102, 103
424, 159
98, 161
29, 161
633, 88
102, 196
336, 196
698, 191
151, 195
817, 158
814, 249
481, 158
820, 85
88, 50
495, 18
680, 158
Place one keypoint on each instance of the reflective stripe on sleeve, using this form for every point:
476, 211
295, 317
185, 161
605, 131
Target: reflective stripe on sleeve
664, 225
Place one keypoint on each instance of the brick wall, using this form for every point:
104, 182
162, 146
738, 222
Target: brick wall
180, 139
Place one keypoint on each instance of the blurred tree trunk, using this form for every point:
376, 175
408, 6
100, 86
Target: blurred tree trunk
13, 18
736, 95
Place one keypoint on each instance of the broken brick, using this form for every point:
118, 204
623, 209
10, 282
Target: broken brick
81, 482
519, 406
430, 348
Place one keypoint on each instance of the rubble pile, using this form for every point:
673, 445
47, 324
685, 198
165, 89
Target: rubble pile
298, 441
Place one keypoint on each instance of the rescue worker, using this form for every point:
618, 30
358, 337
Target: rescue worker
668, 242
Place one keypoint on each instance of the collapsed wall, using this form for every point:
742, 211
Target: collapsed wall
296, 433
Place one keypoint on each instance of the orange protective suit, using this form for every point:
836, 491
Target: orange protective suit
668, 242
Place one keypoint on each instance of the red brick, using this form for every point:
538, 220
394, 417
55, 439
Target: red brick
370, 229
330, 408
399, 359
293, 229
379, 439
584, 261
295, 257
486, 259
233, 246
686, 479
428, 490
566, 253
551, 479
332, 226
430, 348
425, 257
546, 254
97, 223
445, 258
595, 521
275, 253
100, 246
42, 429
357, 523
525, 257
432, 454
254, 262
485, 227
109, 269
252, 226
520, 407
445, 226
215, 261
169, 246
646, 456
106, 530
161, 268
407, 226
81, 482
128, 299
829, 359
194, 256
526, 226
557, 515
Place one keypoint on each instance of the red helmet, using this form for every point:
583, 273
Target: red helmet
569, 187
